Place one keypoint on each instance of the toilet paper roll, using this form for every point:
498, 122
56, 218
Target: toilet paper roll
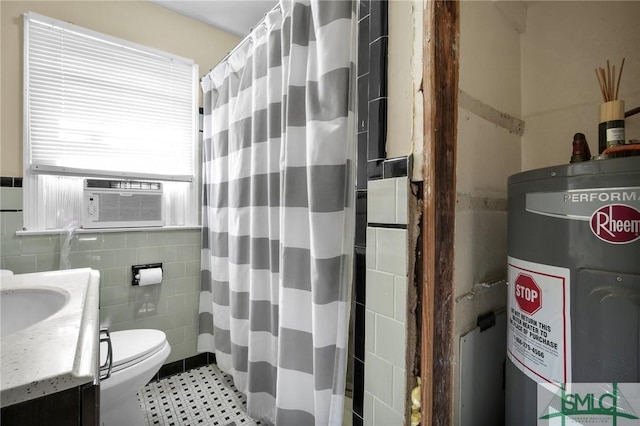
150, 276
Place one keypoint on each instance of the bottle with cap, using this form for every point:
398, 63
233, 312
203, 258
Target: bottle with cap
580, 149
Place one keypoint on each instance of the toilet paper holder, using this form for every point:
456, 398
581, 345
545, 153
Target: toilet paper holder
135, 271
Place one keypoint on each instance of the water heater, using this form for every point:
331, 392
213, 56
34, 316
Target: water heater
574, 280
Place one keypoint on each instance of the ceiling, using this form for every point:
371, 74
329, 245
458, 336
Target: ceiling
237, 17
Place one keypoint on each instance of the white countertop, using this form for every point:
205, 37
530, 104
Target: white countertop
60, 352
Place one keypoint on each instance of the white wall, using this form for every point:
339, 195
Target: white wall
564, 42
488, 152
404, 68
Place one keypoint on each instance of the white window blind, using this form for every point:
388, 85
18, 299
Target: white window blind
102, 106
98, 106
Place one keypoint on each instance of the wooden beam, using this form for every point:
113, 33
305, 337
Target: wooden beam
441, 23
428, 221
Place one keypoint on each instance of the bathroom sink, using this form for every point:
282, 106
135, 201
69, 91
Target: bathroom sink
23, 308
49, 326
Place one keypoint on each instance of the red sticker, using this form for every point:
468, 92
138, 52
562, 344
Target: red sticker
528, 294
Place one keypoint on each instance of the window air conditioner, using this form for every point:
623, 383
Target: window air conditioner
121, 204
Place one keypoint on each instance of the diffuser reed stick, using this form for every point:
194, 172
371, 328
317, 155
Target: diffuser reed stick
607, 80
619, 77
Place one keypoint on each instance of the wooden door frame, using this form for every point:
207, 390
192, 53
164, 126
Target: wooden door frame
440, 91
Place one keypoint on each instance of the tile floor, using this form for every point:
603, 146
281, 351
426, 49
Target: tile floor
202, 396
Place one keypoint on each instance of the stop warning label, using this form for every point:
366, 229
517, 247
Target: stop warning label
539, 321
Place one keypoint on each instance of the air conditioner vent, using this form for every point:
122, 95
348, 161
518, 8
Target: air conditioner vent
121, 184
121, 204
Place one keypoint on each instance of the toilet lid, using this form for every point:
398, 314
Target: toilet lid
129, 345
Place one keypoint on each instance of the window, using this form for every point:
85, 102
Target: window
98, 106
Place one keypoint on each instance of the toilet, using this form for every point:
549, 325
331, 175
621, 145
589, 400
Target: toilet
137, 357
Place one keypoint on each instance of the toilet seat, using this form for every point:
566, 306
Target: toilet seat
132, 346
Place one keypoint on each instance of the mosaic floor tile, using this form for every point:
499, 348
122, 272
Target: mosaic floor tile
202, 396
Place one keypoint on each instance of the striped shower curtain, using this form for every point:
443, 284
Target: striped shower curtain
278, 212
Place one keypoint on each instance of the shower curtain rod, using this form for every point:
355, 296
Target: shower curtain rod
244, 40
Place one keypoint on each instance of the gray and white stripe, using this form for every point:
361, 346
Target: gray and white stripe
278, 212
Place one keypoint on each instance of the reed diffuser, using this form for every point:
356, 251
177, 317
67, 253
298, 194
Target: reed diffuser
611, 127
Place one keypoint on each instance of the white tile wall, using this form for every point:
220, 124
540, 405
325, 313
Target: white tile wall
390, 340
10, 198
378, 378
381, 201
386, 303
380, 293
391, 251
387, 201
385, 415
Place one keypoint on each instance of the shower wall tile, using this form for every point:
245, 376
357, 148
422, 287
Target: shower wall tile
360, 268
361, 170
171, 306
363, 104
391, 251
368, 409
359, 333
380, 293
400, 287
390, 340
379, 25
381, 201
383, 414
374, 169
378, 68
357, 420
371, 125
363, 46
361, 218
358, 386
385, 317
397, 167
363, 9
377, 128
399, 379
371, 248
378, 378
402, 201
